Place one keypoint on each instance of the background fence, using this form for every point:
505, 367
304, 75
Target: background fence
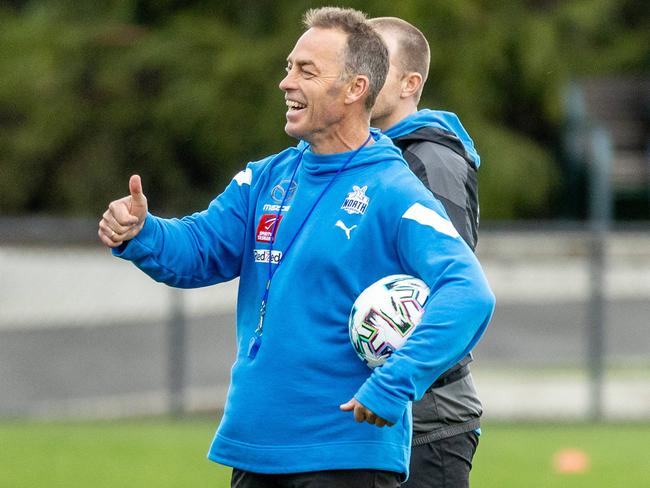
86, 334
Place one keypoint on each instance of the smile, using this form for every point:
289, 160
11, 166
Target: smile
293, 105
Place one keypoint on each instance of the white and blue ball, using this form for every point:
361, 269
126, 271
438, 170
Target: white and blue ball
384, 315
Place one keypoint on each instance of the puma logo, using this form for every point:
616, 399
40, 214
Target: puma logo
347, 230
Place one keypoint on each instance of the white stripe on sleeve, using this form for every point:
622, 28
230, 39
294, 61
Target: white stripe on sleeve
426, 216
244, 177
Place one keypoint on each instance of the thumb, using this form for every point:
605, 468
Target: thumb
135, 188
349, 406
138, 200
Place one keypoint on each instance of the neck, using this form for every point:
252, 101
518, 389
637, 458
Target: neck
401, 112
340, 139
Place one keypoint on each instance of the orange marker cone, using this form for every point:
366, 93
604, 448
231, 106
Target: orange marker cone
570, 461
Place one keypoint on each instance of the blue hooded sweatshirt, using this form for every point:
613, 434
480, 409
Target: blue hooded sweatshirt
282, 411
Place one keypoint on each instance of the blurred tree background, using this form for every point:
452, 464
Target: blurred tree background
185, 92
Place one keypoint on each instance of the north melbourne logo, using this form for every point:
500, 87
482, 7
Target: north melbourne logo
357, 201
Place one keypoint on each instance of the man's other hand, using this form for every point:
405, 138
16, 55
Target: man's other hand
363, 414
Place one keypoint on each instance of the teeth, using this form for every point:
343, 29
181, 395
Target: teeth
294, 105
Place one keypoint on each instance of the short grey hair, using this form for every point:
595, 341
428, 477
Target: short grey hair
365, 52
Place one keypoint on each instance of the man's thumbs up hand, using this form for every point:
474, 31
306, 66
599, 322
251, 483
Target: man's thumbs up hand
125, 217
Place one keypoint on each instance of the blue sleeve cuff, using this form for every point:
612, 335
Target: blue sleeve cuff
142, 244
382, 403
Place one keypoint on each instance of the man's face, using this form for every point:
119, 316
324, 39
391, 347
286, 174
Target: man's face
389, 96
313, 88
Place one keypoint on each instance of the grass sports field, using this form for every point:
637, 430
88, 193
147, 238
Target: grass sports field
165, 453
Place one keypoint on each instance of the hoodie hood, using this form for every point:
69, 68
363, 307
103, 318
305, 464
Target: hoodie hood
381, 150
439, 119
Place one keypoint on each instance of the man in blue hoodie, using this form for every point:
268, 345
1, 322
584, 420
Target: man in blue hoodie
302, 410
441, 153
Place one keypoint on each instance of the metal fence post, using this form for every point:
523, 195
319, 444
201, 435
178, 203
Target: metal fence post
600, 216
176, 353
573, 148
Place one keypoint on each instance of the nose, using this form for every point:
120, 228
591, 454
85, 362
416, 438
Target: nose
288, 82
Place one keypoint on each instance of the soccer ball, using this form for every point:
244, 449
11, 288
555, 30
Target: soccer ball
385, 315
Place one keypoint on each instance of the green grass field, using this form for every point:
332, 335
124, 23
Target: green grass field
163, 453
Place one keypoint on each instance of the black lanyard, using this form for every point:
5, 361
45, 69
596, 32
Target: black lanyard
255, 342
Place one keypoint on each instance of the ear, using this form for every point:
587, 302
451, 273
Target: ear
357, 89
411, 83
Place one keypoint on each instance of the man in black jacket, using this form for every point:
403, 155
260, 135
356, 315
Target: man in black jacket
439, 151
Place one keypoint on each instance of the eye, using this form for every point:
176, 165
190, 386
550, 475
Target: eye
305, 73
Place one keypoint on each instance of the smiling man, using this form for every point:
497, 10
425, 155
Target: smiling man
320, 110
302, 409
